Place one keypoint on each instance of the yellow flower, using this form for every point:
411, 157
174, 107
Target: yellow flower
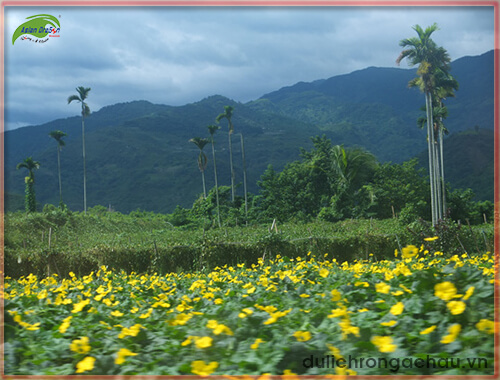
147, 314
86, 364
198, 367
303, 295
382, 287
456, 307
122, 354
187, 342
323, 272
302, 336
363, 310
245, 312
486, 326
116, 313
336, 296
42, 294
397, 308
453, 331
347, 328
390, 323
80, 346
255, 345
64, 326
218, 328
132, 331
180, 320
468, 293
77, 307
409, 251
362, 283
339, 312
431, 238
428, 330
445, 290
384, 343
203, 342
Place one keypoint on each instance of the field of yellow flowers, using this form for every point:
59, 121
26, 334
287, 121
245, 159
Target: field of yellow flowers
419, 313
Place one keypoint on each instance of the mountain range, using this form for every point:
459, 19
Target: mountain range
139, 155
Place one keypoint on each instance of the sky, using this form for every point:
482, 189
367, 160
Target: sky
180, 55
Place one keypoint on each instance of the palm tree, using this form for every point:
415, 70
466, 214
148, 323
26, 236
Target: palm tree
422, 50
244, 174
445, 88
58, 136
350, 167
212, 129
30, 199
228, 114
83, 93
202, 158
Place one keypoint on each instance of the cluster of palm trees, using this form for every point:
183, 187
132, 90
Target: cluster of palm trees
31, 165
436, 82
203, 161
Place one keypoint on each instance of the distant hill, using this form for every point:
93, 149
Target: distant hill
469, 161
138, 154
375, 108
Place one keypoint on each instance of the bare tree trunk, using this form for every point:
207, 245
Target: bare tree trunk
204, 188
59, 171
216, 185
430, 145
84, 168
244, 175
231, 165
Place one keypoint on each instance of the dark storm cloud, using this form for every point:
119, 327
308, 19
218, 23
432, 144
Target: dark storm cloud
177, 55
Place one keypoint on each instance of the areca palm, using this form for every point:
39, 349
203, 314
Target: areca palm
228, 114
202, 158
423, 51
83, 93
30, 199
58, 136
212, 129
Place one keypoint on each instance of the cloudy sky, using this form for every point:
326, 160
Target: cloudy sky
180, 55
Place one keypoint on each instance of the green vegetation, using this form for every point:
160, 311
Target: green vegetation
279, 316
60, 241
30, 196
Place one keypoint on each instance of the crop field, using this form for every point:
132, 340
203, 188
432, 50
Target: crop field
422, 312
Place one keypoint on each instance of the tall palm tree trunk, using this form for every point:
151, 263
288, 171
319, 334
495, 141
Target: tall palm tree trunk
59, 171
231, 166
430, 145
204, 188
84, 168
437, 179
216, 184
244, 175
442, 170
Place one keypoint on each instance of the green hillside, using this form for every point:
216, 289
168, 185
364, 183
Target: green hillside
139, 157
469, 161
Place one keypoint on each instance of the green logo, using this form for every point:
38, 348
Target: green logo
38, 27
